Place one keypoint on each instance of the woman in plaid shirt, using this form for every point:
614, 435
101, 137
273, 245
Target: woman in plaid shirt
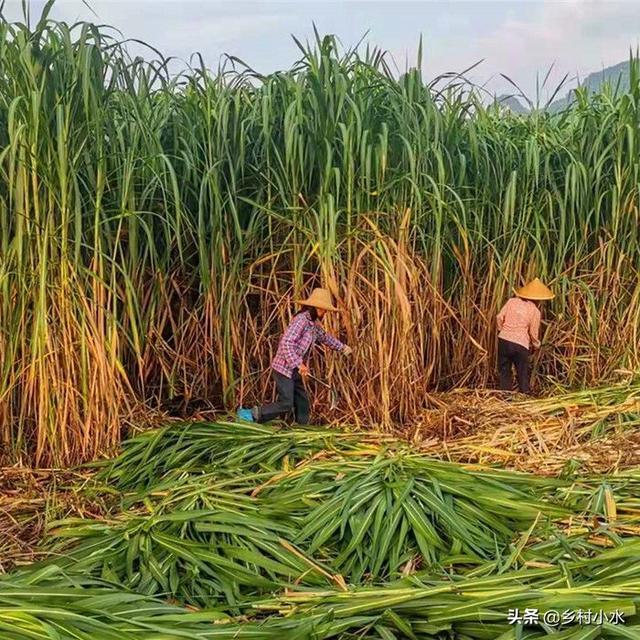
288, 367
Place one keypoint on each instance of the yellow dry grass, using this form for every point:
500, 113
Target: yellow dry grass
485, 427
31, 498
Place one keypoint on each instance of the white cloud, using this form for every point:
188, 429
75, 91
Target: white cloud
577, 37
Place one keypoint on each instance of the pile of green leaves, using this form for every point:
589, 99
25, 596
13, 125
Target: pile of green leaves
380, 515
202, 531
228, 552
324, 536
223, 447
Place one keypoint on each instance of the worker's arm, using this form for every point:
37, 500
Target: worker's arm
290, 339
501, 317
534, 329
329, 340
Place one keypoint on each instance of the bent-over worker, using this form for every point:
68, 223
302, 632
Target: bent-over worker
518, 333
288, 366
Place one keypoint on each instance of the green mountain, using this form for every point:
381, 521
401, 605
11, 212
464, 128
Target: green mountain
616, 75
512, 103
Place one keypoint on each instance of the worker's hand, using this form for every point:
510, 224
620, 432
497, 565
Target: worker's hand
347, 350
304, 370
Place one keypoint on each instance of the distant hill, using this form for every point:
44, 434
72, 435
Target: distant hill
618, 73
511, 103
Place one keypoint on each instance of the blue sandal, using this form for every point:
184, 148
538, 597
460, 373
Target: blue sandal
245, 414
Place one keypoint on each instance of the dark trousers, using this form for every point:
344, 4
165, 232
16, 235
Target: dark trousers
511, 354
291, 396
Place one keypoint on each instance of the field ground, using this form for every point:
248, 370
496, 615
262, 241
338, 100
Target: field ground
579, 504
568, 434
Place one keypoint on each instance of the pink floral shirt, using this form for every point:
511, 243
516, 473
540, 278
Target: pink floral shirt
519, 322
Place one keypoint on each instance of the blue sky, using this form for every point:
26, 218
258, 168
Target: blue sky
518, 38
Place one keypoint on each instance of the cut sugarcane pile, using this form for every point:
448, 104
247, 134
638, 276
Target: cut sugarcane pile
227, 530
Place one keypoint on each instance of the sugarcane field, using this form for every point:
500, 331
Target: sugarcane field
301, 340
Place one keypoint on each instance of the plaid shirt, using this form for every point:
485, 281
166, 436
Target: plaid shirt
300, 336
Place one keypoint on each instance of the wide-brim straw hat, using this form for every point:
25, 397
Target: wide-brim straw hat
320, 299
535, 290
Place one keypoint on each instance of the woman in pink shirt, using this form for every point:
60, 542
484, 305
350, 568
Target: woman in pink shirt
518, 329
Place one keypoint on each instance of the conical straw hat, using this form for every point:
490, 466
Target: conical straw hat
535, 290
319, 298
